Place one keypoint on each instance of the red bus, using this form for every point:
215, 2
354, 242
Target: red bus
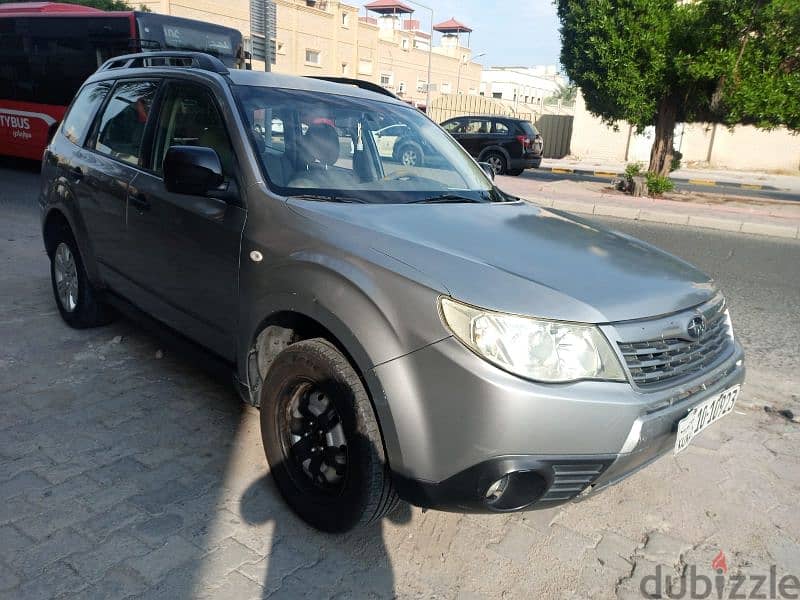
47, 50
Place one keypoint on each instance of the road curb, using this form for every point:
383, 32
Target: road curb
689, 180
664, 217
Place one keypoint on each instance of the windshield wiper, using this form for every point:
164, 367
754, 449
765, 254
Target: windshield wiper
328, 198
447, 199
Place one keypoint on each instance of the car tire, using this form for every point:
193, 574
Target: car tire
410, 155
515, 172
497, 161
322, 440
75, 296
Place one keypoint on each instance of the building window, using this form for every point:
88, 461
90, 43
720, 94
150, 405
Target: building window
404, 44
386, 79
279, 48
345, 69
445, 87
497, 94
345, 19
365, 66
313, 57
401, 88
422, 85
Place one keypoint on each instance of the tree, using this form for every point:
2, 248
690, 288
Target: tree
659, 62
101, 4
565, 93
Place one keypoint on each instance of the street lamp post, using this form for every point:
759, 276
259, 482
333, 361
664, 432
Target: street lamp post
461, 61
430, 53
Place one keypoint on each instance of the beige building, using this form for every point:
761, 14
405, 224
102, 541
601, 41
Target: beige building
742, 147
380, 42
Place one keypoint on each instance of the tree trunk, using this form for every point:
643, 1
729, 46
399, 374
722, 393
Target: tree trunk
661, 153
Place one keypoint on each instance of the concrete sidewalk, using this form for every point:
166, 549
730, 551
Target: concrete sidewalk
745, 215
751, 180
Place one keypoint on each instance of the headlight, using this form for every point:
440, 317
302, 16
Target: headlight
547, 351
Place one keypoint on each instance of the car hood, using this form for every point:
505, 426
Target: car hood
520, 258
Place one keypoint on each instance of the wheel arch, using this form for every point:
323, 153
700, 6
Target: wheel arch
58, 219
299, 321
54, 222
499, 150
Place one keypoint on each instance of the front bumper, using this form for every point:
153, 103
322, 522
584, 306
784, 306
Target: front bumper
463, 424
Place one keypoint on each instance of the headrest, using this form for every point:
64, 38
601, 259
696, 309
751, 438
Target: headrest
321, 143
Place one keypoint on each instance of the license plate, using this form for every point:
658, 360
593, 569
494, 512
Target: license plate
703, 415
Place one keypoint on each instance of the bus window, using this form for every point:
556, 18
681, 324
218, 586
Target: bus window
175, 33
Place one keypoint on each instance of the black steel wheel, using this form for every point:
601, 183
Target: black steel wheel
322, 439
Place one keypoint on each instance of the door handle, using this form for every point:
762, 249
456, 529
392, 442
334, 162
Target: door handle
75, 173
139, 201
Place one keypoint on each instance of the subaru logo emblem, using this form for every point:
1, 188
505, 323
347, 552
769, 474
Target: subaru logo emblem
696, 327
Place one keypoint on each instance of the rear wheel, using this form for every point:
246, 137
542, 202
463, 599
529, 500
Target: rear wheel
497, 161
410, 154
322, 439
75, 297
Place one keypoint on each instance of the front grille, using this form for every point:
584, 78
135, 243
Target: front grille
569, 480
657, 361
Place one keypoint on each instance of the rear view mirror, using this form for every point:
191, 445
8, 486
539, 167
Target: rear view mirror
192, 170
487, 168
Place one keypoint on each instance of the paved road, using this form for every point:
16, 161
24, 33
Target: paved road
127, 471
685, 186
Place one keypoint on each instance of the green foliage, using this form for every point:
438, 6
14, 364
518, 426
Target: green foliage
725, 61
658, 184
633, 170
677, 155
101, 4
756, 62
565, 93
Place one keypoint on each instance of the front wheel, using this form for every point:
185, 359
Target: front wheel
516, 172
322, 439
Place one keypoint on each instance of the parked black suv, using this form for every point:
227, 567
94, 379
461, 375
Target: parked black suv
509, 145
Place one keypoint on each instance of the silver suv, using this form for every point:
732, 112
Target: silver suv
409, 331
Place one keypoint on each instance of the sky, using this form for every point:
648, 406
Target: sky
511, 32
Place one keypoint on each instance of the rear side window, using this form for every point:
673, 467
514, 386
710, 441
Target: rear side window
123, 121
500, 127
529, 128
80, 115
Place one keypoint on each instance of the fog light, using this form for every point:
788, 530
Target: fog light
496, 490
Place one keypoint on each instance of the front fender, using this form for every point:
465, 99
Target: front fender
373, 312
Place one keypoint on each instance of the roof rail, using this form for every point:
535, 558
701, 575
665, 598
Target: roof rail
364, 85
197, 60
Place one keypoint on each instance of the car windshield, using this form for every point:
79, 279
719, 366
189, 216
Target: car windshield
350, 149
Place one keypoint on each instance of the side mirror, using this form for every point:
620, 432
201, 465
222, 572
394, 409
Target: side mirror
192, 170
487, 168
